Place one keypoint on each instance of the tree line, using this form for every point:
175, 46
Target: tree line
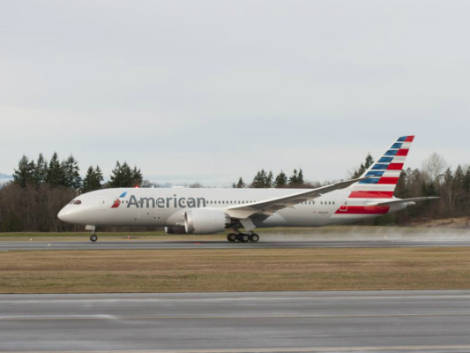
433, 179
264, 179
66, 173
40, 188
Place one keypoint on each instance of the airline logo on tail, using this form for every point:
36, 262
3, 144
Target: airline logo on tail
384, 174
382, 179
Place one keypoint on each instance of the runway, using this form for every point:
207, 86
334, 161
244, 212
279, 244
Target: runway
141, 245
387, 321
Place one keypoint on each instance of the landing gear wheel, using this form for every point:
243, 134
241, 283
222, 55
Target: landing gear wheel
232, 237
93, 237
254, 238
244, 238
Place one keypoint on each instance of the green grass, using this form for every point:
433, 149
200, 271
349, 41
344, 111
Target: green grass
200, 270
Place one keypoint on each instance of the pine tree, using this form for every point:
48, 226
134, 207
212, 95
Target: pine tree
281, 180
459, 178
240, 184
402, 187
24, 175
117, 179
363, 167
300, 177
98, 177
458, 189
466, 190
71, 172
260, 179
40, 170
466, 181
136, 177
92, 180
293, 179
55, 173
124, 176
269, 180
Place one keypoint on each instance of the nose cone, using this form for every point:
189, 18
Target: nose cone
65, 214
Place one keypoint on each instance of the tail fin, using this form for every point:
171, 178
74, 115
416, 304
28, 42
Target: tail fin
383, 175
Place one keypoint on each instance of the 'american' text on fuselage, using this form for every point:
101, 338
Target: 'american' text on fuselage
166, 202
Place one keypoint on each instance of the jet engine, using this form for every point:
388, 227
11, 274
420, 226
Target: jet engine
205, 220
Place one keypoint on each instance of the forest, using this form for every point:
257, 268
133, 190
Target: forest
40, 188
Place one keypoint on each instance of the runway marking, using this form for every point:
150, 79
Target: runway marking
202, 317
177, 297
214, 245
57, 317
338, 349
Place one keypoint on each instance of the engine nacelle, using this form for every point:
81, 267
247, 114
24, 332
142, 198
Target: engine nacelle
175, 230
205, 220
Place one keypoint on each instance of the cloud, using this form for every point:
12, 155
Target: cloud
226, 88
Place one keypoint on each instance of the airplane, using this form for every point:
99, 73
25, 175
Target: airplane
213, 210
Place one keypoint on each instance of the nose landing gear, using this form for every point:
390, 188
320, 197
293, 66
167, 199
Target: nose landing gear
243, 237
92, 229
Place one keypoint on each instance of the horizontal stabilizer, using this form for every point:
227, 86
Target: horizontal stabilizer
411, 199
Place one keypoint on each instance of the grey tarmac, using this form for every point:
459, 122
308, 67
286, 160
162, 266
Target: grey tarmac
368, 321
148, 245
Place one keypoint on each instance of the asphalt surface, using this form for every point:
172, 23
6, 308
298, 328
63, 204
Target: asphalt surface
136, 245
387, 321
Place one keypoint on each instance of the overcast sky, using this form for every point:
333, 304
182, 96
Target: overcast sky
210, 90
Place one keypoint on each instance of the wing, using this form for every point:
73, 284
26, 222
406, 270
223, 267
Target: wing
270, 206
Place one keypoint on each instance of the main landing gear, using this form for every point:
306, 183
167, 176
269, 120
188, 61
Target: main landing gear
93, 237
243, 237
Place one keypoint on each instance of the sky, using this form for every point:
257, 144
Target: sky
206, 91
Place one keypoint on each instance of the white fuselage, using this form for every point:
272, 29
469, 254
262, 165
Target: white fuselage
166, 206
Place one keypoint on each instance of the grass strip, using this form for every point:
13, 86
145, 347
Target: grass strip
194, 270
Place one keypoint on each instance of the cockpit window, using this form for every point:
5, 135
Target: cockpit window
76, 202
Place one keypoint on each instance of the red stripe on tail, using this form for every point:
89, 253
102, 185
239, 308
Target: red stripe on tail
371, 194
395, 166
402, 152
388, 180
363, 210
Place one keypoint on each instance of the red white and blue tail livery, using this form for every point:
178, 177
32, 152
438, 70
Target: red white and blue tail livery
211, 210
371, 196
382, 176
